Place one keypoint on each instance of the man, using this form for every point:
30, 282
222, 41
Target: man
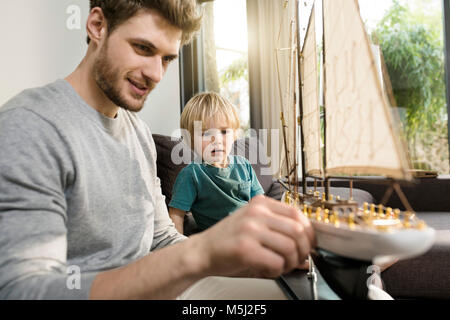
78, 185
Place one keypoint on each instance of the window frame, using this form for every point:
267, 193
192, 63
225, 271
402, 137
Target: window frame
192, 80
446, 17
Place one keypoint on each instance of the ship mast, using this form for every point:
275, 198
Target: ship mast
327, 184
300, 119
294, 58
282, 116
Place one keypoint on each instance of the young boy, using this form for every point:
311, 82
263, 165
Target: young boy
220, 183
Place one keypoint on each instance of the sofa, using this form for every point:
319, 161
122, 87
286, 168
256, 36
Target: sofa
424, 277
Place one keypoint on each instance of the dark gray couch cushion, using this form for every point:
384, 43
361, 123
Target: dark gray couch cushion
167, 170
425, 276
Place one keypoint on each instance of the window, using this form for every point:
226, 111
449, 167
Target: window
225, 52
220, 56
410, 35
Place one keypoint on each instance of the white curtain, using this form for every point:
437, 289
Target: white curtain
269, 35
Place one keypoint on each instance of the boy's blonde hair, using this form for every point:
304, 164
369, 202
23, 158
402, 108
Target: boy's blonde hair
205, 107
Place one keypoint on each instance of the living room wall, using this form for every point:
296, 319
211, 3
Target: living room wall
49, 41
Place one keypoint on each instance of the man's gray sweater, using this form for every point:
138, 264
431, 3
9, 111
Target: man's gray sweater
78, 192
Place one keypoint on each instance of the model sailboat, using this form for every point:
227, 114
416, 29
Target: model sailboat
360, 138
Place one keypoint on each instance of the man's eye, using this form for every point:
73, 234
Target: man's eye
168, 59
142, 48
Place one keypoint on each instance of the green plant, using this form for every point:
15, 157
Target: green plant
412, 46
236, 70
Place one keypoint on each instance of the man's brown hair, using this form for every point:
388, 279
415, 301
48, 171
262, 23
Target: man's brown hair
182, 14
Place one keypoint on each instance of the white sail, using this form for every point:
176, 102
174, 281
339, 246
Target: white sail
361, 137
310, 98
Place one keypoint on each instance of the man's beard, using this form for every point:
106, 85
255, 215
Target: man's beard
108, 79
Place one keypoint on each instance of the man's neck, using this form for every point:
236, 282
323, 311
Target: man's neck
83, 82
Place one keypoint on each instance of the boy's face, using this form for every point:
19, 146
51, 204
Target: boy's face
216, 143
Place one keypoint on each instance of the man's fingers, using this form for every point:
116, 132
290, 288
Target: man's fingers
287, 211
264, 263
304, 265
291, 236
308, 229
275, 206
283, 245
296, 232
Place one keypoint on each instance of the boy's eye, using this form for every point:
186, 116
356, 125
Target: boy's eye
224, 132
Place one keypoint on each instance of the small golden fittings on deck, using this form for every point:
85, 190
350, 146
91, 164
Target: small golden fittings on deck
372, 211
326, 213
407, 220
316, 194
335, 217
380, 211
318, 214
330, 197
332, 217
397, 213
389, 213
366, 212
305, 210
351, 220
324, 197
287, 197
421, 225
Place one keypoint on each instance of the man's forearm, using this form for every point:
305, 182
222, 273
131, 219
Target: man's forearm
163, 274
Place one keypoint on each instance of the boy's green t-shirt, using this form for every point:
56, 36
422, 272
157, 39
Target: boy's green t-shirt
211, 193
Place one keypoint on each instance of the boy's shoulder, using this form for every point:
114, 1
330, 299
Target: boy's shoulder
191, 168
238, 160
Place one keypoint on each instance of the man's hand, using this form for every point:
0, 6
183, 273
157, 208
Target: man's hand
264, 239
304, 265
